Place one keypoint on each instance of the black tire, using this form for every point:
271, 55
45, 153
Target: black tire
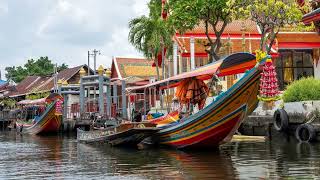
305, 133
280, 120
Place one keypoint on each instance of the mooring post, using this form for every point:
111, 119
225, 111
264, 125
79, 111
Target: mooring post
101, 103
115, 93
81, 96
65, 106
108, 99
124, 99
82, 73
64, 85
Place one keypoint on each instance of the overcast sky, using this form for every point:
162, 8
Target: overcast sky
64, 30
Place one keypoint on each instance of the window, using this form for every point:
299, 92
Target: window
292, 65
199, 62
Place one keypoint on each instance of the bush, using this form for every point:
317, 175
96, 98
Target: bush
305, 89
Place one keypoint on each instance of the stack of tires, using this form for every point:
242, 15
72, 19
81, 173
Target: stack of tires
306, 132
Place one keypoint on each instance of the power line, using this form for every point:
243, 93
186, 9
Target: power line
93, 53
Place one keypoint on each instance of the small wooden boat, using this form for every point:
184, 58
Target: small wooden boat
128, 134
48, 122
217, 122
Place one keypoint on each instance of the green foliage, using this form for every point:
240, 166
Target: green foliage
266, 99
40, 67
304, 89
37, 95
215, 14
270, 16
8, 102
150, 34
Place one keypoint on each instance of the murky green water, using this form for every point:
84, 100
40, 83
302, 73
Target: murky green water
33, 157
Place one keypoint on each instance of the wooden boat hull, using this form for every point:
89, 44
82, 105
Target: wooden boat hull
215, 124
117, 136
49, 122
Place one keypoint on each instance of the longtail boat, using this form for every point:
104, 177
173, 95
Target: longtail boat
167, 119
128, 134
48, 121
218, 121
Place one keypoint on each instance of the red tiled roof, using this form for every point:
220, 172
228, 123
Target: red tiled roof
235, 27
42, 84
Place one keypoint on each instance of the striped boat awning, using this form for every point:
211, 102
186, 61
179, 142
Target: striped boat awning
32, 102
233, 64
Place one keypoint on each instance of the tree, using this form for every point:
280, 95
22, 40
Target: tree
150, 34
271, 16
40, 67
214, 14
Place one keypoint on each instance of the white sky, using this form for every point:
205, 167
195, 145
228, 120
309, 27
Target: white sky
64, 30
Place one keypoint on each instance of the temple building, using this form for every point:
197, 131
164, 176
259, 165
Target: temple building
295, 54
135, 71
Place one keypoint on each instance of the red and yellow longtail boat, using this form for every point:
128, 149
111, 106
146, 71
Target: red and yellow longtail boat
217, 122
47, 122
167, 119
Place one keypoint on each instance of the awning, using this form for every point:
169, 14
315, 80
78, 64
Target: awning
299, 45
33, 102
312, 16
233, 64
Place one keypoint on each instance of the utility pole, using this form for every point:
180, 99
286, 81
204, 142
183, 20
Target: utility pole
94, 54
88, 63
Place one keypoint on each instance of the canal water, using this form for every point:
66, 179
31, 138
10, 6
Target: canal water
34, 157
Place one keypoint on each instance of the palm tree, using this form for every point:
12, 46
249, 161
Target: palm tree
151, 34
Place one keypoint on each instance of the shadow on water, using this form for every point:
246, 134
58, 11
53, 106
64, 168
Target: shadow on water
61, 157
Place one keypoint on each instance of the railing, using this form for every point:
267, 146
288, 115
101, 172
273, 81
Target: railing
91, 106
4, 115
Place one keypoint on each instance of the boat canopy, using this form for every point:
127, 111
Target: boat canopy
233, 64
32, 102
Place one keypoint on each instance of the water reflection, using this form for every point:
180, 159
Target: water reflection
275, 159
58, 157
157, 164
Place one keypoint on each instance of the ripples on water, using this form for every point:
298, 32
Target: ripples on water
34, 157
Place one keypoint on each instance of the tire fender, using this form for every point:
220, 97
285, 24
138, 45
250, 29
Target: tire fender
305, 133
280, 120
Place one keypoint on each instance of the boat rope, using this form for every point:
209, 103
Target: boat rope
141, 126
